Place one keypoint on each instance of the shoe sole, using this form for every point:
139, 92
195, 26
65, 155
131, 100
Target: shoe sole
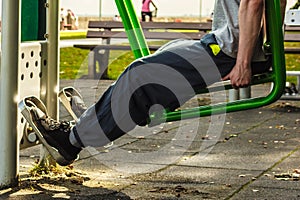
26, 108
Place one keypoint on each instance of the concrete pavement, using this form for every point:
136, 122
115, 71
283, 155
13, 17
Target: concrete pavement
251, 154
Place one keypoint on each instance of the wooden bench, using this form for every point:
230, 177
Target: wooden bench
108, 30
292, 34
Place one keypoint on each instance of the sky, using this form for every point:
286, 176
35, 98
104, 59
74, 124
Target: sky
165, 7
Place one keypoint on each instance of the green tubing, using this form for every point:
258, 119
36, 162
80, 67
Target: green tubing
133, 28
277, 76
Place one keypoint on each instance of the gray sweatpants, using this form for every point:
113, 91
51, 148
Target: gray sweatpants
163, 80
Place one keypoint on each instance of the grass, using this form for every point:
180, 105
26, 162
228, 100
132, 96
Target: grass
118, 62
72, 34
73, 62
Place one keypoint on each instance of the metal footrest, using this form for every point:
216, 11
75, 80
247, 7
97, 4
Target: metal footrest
26, 106
72, 101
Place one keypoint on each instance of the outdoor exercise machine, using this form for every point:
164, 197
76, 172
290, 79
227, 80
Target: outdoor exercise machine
274, 44
29, 67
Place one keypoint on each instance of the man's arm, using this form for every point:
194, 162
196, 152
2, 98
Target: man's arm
250, 17
250, 21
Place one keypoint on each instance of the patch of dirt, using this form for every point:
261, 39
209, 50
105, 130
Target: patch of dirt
60, 183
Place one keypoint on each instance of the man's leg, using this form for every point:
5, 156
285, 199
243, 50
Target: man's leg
167, 78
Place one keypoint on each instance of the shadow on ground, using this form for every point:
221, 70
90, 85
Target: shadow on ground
60, 187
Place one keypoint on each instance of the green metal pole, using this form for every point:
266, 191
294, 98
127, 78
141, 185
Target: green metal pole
133, 28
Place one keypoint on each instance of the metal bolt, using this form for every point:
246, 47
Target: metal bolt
32, 137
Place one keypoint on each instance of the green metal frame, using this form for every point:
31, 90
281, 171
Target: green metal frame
277, 76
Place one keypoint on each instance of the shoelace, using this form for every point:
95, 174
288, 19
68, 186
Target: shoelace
54, 125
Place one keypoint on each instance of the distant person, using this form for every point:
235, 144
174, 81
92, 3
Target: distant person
146, 10
62, 19
72, 20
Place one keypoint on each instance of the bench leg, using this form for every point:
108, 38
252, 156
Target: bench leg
298, 82
102, 57
91, 65
103, 63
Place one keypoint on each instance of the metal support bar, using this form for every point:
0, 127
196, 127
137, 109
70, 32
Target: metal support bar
233, 95
241, 93
52, 82
50, 77
245, 93
10, 39
278, 76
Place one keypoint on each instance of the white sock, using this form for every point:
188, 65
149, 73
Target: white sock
73, 140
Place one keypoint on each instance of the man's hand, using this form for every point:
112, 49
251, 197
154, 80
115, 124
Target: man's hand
250, 24
240, 76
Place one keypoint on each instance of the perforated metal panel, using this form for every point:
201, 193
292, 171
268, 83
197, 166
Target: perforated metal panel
292, 17
33, 62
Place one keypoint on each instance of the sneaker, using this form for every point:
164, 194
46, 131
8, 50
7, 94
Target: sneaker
72, 101
56, 135
78, 105
52, 134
